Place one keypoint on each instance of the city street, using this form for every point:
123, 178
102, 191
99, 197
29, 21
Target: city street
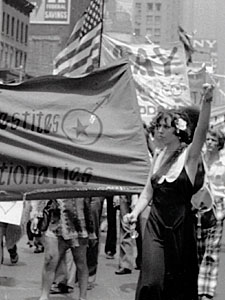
22, 281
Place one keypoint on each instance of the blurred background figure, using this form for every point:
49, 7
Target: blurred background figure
9, 236
209, 241
111, 236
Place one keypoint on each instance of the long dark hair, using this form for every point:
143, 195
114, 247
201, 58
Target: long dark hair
184, 136
174, 115
193, 114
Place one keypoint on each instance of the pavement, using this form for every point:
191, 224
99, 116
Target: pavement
23, 280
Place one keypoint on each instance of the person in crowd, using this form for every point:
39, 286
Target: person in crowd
209, 243
64, 280
126, 242
96, 206
142, 218
70, 227
12, 234
111, 236
151, 144
35, 208
35, 240
169, 255
66, 275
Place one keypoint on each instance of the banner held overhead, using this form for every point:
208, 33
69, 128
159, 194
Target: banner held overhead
160, 75
70, 136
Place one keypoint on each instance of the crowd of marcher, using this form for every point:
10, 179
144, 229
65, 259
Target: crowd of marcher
178, 218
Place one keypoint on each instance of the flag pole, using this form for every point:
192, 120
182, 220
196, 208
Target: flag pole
101, 33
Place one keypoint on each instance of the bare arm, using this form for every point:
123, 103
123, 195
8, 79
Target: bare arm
200, 132
142, 202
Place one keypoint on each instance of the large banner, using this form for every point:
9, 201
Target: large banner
63, 137
160, 75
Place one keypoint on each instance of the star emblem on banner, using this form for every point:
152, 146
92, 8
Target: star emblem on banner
81, 126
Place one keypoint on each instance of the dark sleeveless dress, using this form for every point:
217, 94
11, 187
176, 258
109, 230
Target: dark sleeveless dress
169, 256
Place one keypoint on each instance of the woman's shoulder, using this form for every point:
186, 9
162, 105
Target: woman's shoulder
176, 168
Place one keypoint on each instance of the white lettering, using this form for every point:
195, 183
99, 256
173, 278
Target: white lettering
199, 43
211, 43
55, 15
147, 110
56, 6
205, 43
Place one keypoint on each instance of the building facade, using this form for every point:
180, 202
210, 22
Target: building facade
157, 20
51, 23
118, 19
204, 20
14, 27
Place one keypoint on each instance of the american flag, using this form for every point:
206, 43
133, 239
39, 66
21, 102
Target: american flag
82, 51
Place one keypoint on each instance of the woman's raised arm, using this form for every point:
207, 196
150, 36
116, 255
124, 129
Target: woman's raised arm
203, 123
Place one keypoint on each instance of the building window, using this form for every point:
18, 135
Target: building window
149, 31
137, 32
149, 6
6, 56
138, 5
11, 57
3, 22
7, 24
26, 34
1, 53
17, 63
157, 32
149, 20
21, 58
12, 26
17, 30
158, 6
157, 20
24, 60
21, 32
138, 24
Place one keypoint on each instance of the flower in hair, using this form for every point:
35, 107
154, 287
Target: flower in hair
181, 124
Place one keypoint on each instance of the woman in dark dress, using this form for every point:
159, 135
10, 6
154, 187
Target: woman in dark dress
169, 259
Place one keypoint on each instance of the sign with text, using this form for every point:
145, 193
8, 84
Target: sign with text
50, 12
60, 137
159, 74
11, 212
206, 52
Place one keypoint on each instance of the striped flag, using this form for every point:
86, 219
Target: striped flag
82, 51
187, 42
